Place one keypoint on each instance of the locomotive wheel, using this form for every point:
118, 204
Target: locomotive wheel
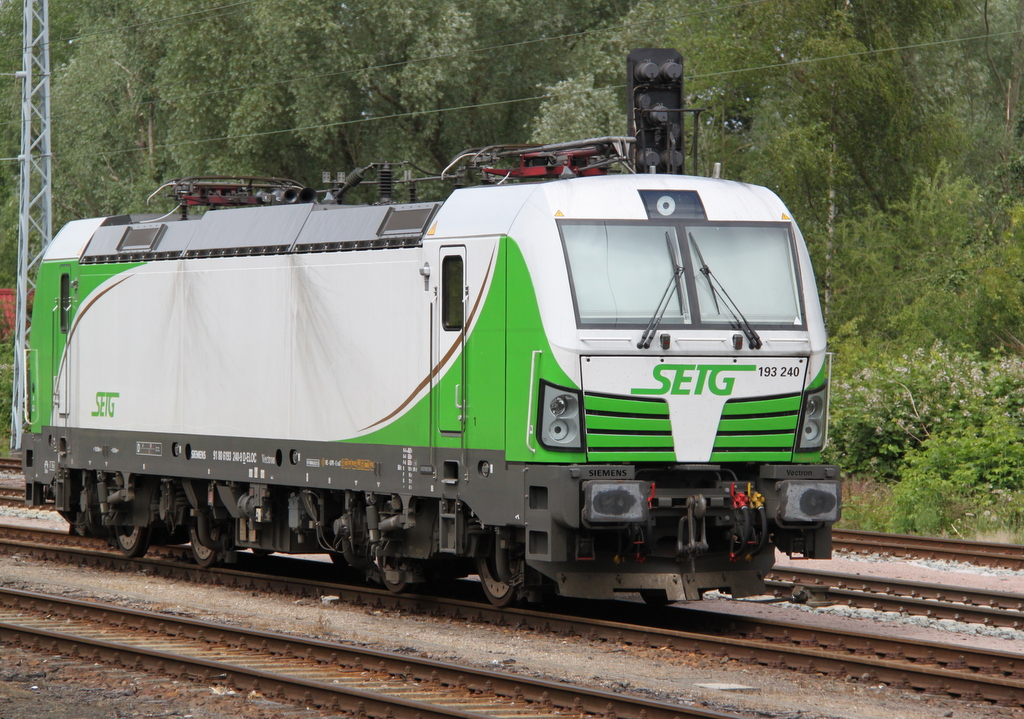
133, 541
497, 592
82, 524
204, 556
398, 587
402, 585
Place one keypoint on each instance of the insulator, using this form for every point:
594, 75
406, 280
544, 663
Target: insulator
353, 178
386, 181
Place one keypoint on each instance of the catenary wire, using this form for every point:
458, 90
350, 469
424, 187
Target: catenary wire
171, 20
429, 58
546, 96
720, 73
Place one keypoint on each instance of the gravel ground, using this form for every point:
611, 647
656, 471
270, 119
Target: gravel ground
61, 691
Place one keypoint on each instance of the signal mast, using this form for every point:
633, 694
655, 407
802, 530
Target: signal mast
35, 221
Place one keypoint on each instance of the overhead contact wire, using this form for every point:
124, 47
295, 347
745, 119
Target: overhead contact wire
341, 123
396, 64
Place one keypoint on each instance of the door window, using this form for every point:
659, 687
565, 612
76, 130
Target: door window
65, 302
452, 284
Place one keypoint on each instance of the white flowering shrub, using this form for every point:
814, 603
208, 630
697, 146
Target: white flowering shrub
944, 428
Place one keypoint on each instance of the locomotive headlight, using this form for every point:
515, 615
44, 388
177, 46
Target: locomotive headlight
560, 422
561, 404
562, 431
815, 406
813, 422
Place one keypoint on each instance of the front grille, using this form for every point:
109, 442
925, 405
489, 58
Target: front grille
624, 429
757, 430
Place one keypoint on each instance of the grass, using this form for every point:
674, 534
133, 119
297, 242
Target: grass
867, 505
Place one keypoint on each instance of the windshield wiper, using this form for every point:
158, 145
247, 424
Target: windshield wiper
753, 339
666, 299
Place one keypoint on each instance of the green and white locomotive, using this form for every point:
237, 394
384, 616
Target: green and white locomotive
584, 386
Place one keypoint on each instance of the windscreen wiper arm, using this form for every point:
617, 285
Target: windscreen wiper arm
666, 298
753, 339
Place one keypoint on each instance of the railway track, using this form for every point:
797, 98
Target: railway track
928, 667
324, 675
12, 497
914, 598
986, 554
935, 601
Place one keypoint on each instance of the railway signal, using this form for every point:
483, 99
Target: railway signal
656, 105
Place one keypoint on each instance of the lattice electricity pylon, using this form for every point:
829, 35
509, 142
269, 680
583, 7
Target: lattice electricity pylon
35, 226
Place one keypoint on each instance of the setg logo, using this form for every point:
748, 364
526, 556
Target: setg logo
105, 404
694, 379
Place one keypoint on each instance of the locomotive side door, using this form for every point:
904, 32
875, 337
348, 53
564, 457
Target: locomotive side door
448, 386
61, 329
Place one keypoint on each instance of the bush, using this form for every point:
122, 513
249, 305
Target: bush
883, 411
965, 478
941, 428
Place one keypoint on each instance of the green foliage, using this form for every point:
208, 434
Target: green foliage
969, 471
943, 428
897, 406
581, 110
904, 274
866, 504
147, 91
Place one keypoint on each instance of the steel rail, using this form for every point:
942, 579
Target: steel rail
14, 497
323, 674
938, 601
988, 554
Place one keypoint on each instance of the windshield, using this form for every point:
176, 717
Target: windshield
619, 271
755, 266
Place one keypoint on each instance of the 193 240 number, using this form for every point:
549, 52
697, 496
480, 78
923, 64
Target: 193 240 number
778, 371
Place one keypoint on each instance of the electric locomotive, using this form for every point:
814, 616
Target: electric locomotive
596, 384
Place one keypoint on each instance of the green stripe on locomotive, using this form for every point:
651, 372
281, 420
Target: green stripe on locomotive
500, 357
46, 338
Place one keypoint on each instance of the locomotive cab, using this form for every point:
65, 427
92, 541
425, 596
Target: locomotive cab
678, 393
